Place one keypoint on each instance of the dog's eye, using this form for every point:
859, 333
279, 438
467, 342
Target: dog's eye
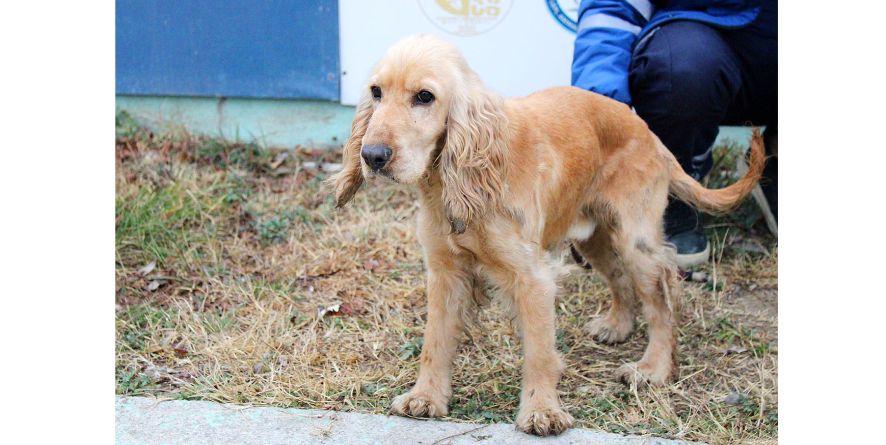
424, 97
376, 92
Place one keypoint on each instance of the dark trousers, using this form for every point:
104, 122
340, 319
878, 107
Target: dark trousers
689, 78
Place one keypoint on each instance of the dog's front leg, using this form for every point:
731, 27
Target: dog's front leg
533, 290
448, 289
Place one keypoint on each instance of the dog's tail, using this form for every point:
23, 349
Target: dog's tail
720, 200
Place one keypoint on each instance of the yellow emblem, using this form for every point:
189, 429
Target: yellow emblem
465, 17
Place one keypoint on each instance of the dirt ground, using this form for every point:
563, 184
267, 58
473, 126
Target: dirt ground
237, 281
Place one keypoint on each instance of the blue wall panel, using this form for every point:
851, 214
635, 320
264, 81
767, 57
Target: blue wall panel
236, 48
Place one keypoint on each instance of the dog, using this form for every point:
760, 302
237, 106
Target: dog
503, 186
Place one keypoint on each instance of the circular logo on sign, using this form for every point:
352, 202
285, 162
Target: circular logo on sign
564, 12
465, 17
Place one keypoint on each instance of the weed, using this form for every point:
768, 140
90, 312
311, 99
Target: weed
274, 228
162, 222
126, 127
411, 348
132, 382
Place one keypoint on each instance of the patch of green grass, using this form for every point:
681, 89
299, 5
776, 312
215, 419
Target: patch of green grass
267, 289
749, 407
134, 338
411, 348
218, 321
479, 408
125, 125
223, 154
213, 151
132, 382
562, 342
726, 332
157, 223
234, 190
141, 321
603, 405
712, 287
274, 228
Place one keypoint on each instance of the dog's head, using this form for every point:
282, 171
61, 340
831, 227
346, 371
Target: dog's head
423, 108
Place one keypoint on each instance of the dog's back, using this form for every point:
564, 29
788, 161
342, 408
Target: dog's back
569, 148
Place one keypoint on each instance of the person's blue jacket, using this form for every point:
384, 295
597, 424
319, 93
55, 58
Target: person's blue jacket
609, 30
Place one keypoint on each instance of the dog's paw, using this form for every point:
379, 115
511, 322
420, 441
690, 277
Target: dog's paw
609, 330
420, 404
543, 421
644, 373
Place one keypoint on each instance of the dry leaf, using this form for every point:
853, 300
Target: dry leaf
735, 350
699, 277
334, 309
180, 350
734, 399
352, 307
330, 167
279, 159
147, 268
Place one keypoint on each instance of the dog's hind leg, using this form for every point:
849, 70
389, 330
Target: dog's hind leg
618, 323
651, 268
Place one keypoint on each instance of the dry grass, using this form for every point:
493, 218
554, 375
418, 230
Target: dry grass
249, 253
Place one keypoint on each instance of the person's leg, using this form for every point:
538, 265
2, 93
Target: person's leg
756, 47
683, 80
756, 50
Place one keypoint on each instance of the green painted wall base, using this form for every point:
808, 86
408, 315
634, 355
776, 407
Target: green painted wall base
270, 122
735, 135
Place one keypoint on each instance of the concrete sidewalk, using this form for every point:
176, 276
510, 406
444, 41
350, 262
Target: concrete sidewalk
142, 420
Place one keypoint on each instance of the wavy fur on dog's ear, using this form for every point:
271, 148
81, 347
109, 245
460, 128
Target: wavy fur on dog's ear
350, 178
472, 161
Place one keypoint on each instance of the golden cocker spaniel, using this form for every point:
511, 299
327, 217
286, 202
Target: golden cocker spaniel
503, 186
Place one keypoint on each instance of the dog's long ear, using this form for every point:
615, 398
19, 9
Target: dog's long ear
472, 161
350, 178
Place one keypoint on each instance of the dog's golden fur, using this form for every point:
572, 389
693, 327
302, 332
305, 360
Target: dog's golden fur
502, 185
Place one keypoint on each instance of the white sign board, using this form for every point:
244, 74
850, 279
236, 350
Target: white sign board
516, 46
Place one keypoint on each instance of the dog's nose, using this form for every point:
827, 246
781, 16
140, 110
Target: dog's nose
376, 155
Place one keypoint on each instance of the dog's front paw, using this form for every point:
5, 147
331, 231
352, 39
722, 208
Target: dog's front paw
543, 420
420, 404
644, 372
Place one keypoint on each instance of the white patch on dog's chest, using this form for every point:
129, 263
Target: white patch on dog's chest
581, 229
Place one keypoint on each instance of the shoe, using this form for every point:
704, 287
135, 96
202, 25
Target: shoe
684, 229
693, 248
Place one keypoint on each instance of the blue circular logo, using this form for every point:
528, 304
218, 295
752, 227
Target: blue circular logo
565, 12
